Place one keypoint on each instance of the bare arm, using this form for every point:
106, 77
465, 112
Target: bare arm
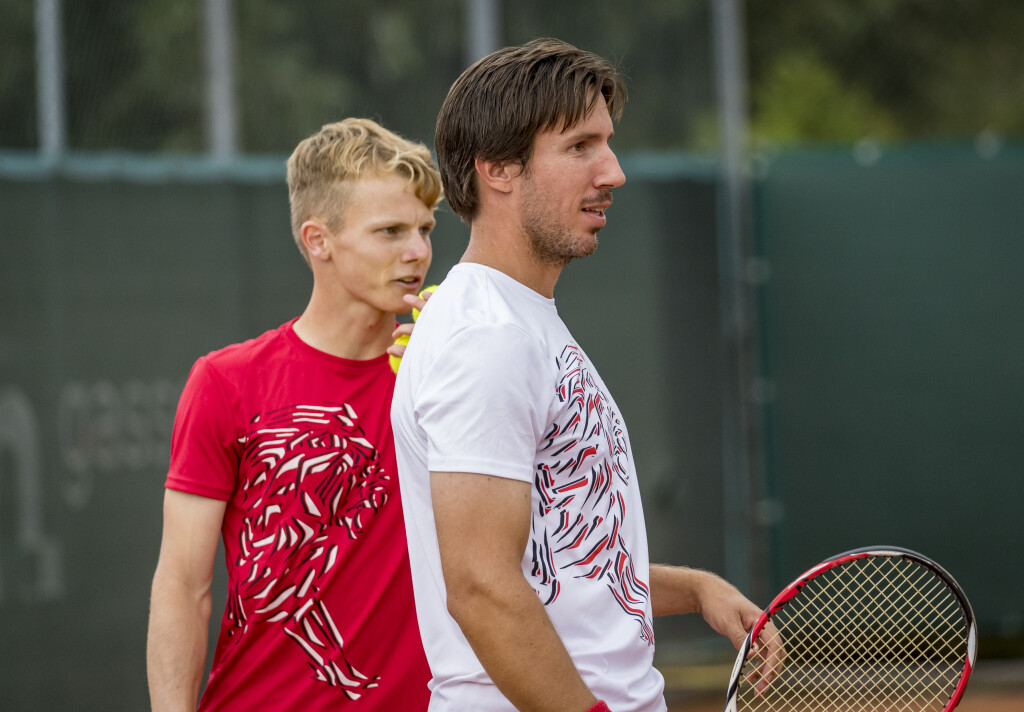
483, 525
678, 589
179, 615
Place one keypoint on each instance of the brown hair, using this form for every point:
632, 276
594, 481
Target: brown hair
497, 106
323, 165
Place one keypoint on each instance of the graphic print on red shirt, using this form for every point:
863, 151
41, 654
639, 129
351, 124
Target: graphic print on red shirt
311, 478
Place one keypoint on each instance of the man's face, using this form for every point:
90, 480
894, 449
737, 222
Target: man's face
382, 250
567, 186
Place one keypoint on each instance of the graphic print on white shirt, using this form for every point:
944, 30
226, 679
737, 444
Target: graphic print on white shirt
581, 482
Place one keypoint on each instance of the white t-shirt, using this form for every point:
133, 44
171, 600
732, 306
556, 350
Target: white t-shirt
493, 383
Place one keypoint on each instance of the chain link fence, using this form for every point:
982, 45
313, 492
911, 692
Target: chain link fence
136, 76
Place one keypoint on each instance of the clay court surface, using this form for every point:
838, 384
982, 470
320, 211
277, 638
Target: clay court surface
996, 686
973, 701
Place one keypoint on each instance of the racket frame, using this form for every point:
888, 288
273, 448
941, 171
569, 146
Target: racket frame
789, 592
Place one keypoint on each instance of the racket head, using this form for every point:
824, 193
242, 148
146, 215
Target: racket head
864, 630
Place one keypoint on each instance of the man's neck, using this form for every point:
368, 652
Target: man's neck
347, 330
501, 249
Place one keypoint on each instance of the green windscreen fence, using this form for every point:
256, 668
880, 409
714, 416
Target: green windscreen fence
109, 290
893, 346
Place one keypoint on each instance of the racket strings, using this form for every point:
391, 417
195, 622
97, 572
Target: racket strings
873, 634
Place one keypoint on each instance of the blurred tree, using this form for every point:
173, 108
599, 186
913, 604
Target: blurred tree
921, 68
134, 75
820, 70
304, 64
803, 99
662, 46
17, 75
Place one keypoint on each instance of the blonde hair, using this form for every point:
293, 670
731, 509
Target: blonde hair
324, 165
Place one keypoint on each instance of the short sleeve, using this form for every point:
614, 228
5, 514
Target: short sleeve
204, 445
483, 403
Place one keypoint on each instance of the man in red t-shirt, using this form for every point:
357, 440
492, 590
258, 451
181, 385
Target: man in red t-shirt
282, 445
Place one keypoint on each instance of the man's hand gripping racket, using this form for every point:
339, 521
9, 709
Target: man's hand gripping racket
872, 630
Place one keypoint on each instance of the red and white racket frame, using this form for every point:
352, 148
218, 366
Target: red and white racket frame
790, 591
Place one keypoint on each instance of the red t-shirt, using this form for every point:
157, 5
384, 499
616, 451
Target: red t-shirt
319, 612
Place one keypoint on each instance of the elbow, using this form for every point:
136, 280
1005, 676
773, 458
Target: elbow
464, 594
472, 595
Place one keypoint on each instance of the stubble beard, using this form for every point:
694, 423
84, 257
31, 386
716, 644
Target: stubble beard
552, 243
555, 245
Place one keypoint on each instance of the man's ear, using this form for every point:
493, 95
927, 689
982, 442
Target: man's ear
315, 236
496, 175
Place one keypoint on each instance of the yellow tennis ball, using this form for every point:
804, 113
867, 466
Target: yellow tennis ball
426, 290
403, 340
395, 361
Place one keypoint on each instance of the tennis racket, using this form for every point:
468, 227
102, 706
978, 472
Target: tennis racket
880, 629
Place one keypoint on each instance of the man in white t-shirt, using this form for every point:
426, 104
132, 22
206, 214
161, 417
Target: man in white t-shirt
526, 533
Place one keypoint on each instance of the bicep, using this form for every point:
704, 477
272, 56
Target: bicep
191, 531
482, 521
483, 524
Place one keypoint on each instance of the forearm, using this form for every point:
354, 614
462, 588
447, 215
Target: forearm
678, 589
512, 636
176, 646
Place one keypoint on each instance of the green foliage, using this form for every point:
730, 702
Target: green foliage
664, 48
305, 64
802, 99
933, 69
133, 75
17, 75
283, 90
820, 70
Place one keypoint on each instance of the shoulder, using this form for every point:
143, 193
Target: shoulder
225, 369
481, 325
477, 295
244, 353
482, 328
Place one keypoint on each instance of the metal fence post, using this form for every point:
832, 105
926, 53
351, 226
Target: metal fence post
50, 79
733, 222
221, 109
483, 29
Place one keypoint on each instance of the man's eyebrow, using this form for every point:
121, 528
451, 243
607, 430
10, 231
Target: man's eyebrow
384, 221
570, 135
